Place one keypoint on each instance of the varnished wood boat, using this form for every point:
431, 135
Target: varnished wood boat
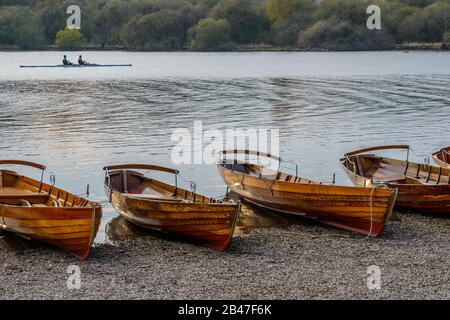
38, 211
166, 208
442, 158
355, 209
420, 186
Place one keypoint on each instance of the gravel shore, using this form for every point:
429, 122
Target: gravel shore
295, 260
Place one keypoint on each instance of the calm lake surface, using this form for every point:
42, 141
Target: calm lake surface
77, 120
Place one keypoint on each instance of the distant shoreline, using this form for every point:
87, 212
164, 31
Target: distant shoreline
249, 48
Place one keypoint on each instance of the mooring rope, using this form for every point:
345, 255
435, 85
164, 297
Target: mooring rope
371, 210
374, 187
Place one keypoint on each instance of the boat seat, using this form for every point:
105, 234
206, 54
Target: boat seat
377, 176
14, 191
410, 180
142, 195
15, 199
444, 180
267, 174
25, 203
154, 197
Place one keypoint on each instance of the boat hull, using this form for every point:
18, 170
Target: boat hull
38, 211
70, 229
209, 224
433, 198
353, 209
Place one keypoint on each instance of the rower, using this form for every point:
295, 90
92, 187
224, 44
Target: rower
81, 61
66, 62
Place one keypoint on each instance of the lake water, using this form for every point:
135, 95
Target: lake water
77, 120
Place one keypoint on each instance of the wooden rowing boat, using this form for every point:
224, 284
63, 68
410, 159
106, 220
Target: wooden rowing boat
38, 211
166, 208
442, 158
356, 209
420, 186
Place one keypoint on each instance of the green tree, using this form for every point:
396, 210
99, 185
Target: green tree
211, 34
143, 7
393, 15
291, 18
54, 16
280, 9
161, 30
170, 4
131, 34
247, 19
352, 11
428, 24
109, 20
70, 39
21, 27
436, 20
446, 38
23, 3
419, 3
169, 24
342, 35
206, 5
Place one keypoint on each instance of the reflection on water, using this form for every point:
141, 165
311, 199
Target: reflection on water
77, 126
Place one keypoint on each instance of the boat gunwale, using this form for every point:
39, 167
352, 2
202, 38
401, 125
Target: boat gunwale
163, 199
394, 184
25, 179
314, 184
166, 201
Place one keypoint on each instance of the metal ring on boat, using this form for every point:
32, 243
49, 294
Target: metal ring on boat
52, 179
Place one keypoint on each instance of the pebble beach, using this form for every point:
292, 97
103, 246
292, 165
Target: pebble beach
274, 259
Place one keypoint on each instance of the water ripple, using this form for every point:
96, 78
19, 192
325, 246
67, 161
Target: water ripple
76, 127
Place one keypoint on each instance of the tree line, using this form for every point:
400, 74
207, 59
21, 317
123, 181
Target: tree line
222, 24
